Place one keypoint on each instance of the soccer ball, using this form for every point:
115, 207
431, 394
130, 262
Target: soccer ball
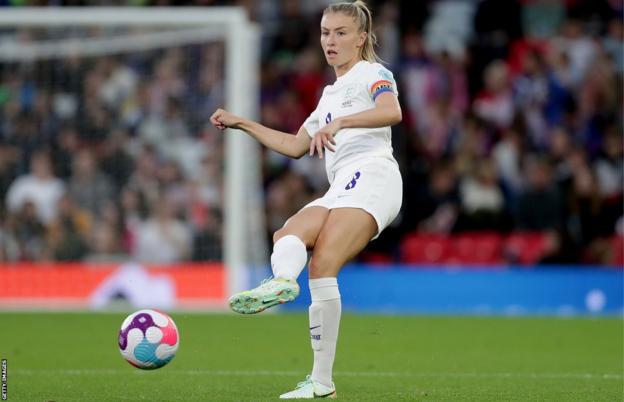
148, 339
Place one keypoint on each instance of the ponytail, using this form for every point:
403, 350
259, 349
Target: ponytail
360, 11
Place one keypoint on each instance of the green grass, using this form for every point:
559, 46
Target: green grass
74, 357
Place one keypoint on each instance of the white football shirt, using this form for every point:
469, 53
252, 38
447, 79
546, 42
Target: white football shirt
352, 93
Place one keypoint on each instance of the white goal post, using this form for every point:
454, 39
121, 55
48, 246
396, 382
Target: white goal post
244, 231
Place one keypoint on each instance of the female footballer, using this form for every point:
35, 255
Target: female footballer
350, 129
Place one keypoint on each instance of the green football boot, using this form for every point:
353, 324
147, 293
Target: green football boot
271, 292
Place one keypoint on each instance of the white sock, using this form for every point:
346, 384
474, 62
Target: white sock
289, 257
324, 322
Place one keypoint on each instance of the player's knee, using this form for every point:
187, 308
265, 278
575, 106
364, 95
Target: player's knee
322, 265
306, 237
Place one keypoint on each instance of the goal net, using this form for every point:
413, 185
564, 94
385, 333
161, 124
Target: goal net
143, 83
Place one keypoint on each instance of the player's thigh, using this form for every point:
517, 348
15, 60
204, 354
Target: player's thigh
305, 224
345, 233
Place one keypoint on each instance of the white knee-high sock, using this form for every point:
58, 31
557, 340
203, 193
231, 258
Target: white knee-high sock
289, 257
324, 322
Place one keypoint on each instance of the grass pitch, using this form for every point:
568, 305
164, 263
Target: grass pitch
74, 357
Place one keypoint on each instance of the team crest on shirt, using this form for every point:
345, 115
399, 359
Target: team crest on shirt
349, 96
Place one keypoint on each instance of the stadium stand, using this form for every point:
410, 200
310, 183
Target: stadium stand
511, 145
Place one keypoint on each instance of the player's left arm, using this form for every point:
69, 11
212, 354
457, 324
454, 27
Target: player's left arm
387, 112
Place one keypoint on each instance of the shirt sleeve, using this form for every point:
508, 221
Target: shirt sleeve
379, 80
311, 124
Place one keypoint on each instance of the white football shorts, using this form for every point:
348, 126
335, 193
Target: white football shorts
372, 184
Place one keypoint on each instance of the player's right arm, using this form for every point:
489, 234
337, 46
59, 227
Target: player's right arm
294, 146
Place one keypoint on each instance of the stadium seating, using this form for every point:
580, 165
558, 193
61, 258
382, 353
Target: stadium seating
425, 248
478, 248
526, 248
474, 248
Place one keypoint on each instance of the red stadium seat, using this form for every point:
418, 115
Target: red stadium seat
525, 248
418, 248
478, 248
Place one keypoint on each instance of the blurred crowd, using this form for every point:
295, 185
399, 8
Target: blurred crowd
110, 158
512, 121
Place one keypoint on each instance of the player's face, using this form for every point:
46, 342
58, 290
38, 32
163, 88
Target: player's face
340, 39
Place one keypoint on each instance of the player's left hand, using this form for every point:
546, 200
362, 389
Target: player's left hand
324, 138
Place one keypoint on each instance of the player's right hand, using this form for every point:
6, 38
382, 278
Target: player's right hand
223, 119
324, 138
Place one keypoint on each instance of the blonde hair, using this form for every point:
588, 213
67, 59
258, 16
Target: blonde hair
362, 14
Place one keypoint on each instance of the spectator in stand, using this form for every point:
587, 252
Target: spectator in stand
583, 221
133, 210
435, 95
40, 187
599, 103
67, 144
494, 103
209, 91
167, 83
95, 121
207, 239
174, 186
163, 238
560, 100
446, 103
308, 79
27, 233
472, 144
104, 245
560, 147
207, 184
609, 169
107, 236
286, 195
169, 134
116, 163
482, 201
530, 95
540, 205
580, 48
413, 75
144, 178
23, 134
179, 145
294, 30
88, 186
388, 34
437, 203
119, 82
67, 233
507, 154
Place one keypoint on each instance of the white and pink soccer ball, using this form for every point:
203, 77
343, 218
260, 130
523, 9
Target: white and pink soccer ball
148, 339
